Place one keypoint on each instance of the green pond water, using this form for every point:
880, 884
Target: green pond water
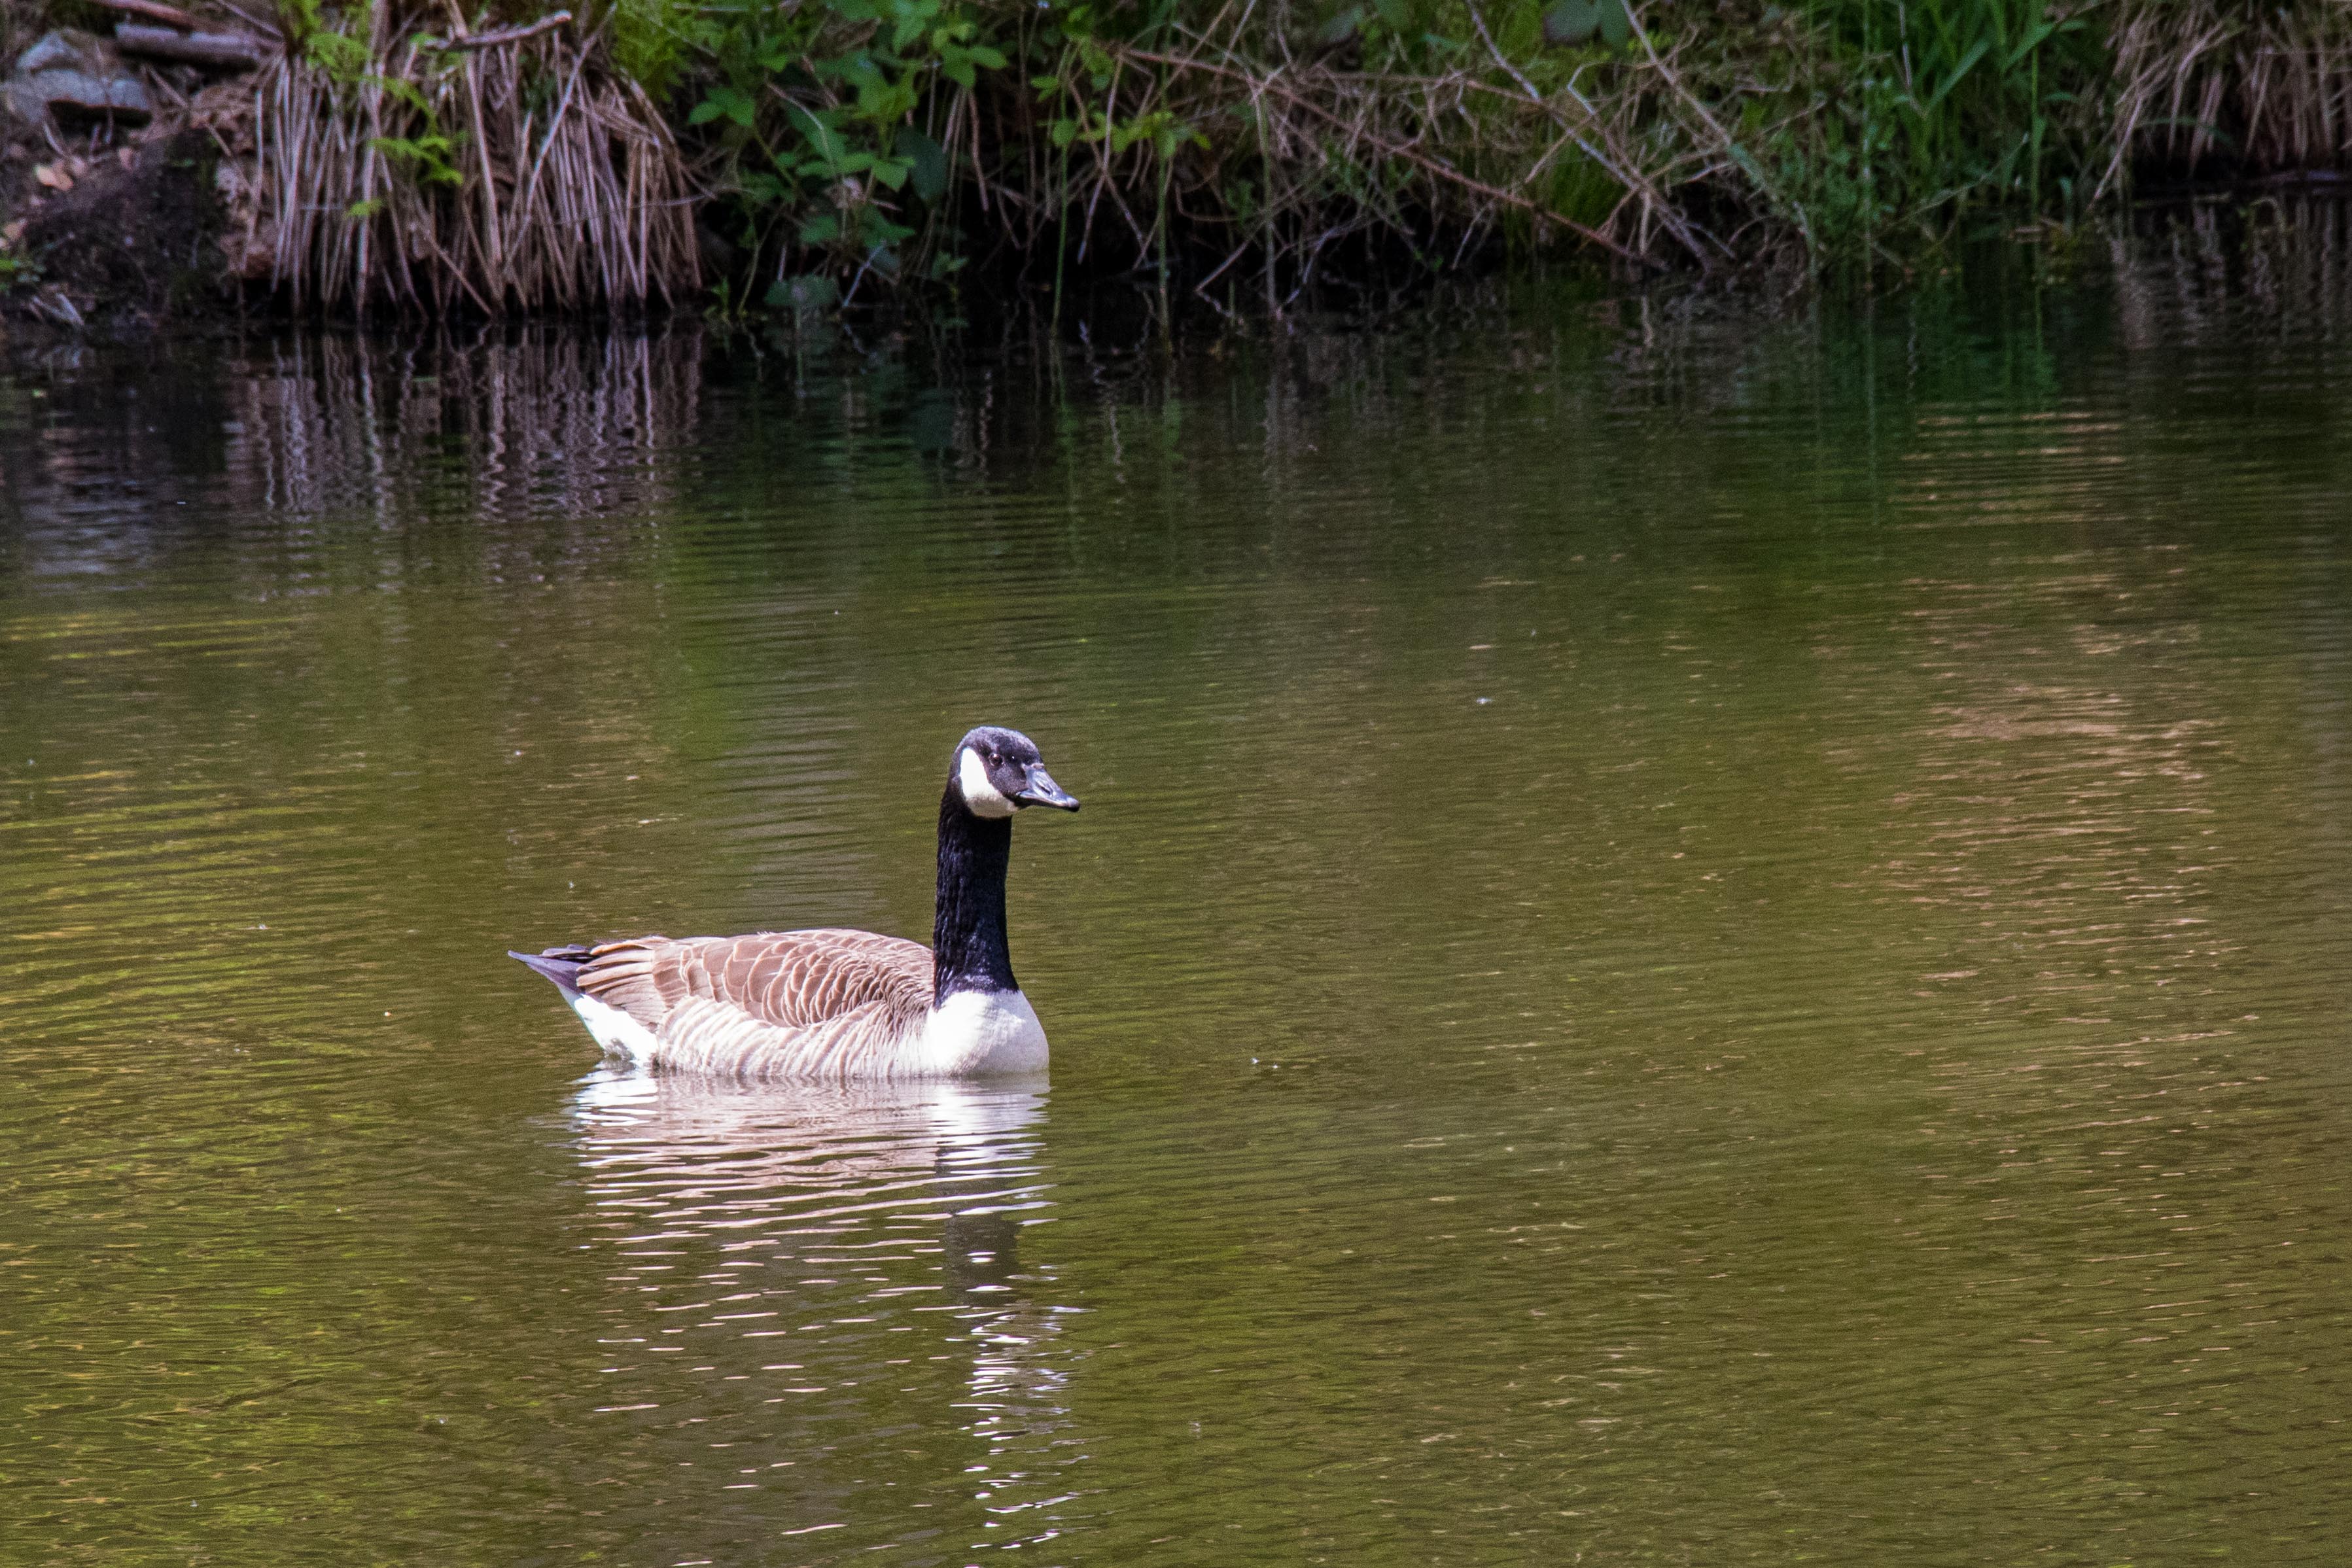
1699, 937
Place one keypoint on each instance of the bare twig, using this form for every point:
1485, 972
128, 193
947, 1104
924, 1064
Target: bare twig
154, 11
503, 36
1619, 169
265, 24
1478, 21
222, 51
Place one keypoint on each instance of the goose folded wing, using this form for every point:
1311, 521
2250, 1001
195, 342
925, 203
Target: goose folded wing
789, 978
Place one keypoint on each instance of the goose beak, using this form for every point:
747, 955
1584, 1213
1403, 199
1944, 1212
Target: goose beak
1041, 790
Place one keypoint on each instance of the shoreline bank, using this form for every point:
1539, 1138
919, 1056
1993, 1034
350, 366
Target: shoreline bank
339, 164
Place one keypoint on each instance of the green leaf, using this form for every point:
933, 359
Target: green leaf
891, 172
823, 229
927, 161
879, 100
1063, 131
2026, 46
1397, 13
340, 56
1952, 80
1570, 22
1341, 27
820, 130
734, 102
360, 212
1173, 134
403, 90
1616, 22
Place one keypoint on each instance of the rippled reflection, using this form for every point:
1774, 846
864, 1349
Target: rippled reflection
810, 1286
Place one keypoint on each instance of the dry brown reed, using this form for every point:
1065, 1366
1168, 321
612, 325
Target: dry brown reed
523, 176
2205, 82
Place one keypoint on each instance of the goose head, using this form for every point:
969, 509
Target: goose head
998, 771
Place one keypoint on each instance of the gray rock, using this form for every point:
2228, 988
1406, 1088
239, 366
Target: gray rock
55, 50
67, 48
74, 72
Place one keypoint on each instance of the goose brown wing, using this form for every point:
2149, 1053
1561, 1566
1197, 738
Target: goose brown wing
791, 980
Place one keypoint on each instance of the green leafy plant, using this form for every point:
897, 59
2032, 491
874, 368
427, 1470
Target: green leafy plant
824, 119
429, 154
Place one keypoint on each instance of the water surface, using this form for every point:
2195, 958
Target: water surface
1697, 939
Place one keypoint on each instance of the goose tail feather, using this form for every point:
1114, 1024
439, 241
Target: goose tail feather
561, 964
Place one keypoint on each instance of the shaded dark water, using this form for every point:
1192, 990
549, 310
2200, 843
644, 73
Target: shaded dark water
1694, 941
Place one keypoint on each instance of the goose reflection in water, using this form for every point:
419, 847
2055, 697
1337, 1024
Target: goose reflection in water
819, 1314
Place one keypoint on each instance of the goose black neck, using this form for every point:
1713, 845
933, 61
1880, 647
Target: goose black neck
968, 950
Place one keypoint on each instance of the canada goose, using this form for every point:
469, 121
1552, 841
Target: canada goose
842, 1004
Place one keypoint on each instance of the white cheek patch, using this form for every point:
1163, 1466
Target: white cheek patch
984, 799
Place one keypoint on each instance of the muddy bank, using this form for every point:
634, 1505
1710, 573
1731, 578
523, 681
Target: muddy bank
130, 238
110, 206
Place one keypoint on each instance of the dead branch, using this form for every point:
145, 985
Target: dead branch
220, 51
504, 35
154, 11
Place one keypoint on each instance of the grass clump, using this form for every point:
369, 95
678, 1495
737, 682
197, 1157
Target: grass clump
1929, 108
